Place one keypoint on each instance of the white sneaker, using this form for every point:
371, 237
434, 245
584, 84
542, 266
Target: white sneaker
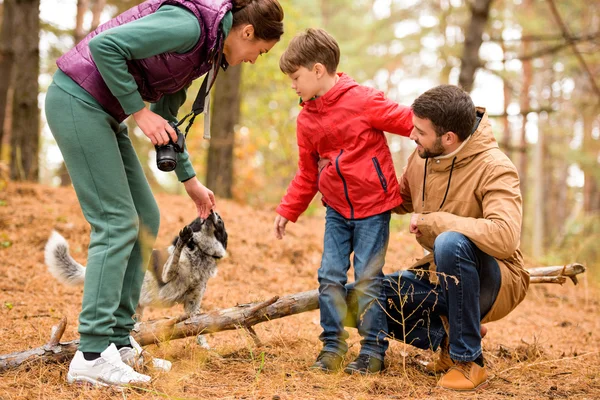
108, 370
134, 357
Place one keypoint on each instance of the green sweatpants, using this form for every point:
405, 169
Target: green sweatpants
117, 201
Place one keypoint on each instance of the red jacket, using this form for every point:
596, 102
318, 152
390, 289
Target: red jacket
345, 126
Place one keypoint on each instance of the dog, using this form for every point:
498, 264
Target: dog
181, 279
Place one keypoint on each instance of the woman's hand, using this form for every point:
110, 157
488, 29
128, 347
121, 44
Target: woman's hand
203, 197
154, 126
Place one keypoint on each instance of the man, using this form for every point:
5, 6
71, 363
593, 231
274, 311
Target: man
466, 203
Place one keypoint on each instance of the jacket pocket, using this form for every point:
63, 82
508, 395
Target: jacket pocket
380, 174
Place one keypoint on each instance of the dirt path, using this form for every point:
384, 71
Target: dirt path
547, 349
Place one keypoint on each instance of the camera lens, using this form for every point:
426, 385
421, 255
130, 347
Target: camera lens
166, 158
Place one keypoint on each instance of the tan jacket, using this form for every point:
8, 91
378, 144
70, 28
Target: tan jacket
478, 196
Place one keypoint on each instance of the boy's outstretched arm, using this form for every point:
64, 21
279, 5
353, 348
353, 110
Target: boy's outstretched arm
389, 116
303, 187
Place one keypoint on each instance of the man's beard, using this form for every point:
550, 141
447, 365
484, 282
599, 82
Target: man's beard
437, 150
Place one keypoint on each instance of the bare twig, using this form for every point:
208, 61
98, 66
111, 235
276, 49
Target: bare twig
569, 38
57, 332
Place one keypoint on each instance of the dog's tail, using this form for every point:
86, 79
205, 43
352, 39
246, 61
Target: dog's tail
60, 263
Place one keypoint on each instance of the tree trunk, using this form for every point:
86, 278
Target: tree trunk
82, 8
527, 79
591, 187
240, 316
537, 242
6, 64
469, 63
506, 133
25, 133
225, 115
97, 8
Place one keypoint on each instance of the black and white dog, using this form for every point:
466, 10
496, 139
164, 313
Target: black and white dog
178, 277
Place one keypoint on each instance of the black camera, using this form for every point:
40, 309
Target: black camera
166, 155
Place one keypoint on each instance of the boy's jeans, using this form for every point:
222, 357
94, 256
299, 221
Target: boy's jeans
368, 239
416, 304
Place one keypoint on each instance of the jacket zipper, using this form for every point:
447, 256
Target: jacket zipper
337, 167
382, 179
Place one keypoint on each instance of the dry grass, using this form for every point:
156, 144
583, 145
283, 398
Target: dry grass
547, 349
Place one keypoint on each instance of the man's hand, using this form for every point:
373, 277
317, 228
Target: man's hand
203, 197
413, 225
279, 226
322, 163
155, 127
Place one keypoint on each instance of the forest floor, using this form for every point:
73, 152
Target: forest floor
548, 348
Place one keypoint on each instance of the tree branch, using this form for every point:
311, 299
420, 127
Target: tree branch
551, 37
568, 37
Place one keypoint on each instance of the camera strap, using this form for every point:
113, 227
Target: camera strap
202, 102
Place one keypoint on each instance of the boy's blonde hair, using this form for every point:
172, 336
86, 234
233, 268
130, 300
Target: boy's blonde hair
308, 48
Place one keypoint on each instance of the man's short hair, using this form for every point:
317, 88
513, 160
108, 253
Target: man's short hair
308, 48
449, 108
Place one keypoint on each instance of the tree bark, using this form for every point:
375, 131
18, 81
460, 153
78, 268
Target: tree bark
527, 79
97, 8
6, 64
25, 133
591, 189
480, 13
82, 8
241, 316
226, 114
538, 233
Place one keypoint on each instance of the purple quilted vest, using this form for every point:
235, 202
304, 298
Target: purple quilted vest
158, 75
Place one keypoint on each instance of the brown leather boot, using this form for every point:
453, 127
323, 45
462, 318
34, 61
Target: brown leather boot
443, 362
464, 376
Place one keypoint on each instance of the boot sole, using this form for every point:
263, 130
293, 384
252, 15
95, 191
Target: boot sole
86, 380
482, 385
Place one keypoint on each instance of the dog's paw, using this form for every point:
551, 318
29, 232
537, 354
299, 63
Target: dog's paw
186, 234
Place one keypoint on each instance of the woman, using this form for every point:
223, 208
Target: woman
151, 53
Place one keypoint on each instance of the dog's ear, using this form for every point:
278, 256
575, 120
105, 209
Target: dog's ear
220, 232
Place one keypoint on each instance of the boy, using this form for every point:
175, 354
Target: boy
343, 154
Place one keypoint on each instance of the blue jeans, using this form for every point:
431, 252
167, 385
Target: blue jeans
465, 295
368, 239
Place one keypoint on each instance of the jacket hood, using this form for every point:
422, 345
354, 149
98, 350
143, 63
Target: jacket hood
480, 141
344, 84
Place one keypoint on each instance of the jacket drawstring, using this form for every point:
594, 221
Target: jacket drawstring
424, 180
447, 186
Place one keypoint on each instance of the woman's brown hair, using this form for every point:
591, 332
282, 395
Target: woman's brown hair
266, 16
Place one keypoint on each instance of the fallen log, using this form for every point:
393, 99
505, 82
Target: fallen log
243, 316
556, 274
